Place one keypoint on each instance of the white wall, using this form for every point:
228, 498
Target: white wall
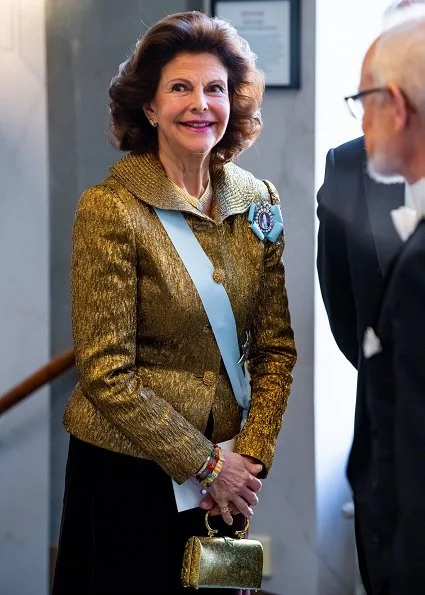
344, 30
24, 297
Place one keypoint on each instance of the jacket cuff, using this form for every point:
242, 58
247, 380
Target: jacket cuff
258, 445
190, 459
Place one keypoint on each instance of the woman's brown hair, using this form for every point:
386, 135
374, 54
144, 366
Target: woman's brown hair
136, 82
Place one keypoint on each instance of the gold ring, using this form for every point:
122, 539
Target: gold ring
224, 509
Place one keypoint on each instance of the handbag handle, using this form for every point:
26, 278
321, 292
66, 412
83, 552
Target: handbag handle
238, 534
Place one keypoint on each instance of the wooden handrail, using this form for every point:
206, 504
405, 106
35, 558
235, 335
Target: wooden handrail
42, 376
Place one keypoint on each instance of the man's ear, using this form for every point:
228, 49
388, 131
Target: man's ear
401, 107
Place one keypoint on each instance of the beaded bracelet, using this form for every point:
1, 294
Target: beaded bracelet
207, 462
211, 463
211, 471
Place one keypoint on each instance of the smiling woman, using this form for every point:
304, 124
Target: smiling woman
191, 106
168, 280
138, 80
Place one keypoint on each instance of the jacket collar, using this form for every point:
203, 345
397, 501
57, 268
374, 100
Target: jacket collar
144, 176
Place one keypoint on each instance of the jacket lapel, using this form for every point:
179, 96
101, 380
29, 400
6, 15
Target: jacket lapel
380, 200
144, 176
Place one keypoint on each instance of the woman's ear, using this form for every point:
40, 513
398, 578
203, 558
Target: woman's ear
150, 114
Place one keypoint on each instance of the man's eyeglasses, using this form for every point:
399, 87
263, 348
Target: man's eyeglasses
355, 102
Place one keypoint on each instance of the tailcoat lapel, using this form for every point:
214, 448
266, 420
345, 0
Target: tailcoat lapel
380, 200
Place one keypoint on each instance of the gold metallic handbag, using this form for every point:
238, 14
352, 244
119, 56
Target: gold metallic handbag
222, 562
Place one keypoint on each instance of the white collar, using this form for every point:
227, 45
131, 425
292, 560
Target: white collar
406, 218
417, 194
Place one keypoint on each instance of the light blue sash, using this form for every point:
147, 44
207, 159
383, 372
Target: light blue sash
214, 299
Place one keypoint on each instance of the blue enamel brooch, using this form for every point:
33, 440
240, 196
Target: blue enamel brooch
266, 220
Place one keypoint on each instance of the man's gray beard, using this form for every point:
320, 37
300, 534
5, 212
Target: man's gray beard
376, 172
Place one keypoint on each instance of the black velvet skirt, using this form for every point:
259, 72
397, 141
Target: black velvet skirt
121, 533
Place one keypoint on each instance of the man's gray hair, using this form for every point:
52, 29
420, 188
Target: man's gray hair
399, 58
401, 11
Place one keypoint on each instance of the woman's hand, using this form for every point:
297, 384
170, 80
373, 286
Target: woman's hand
235, 489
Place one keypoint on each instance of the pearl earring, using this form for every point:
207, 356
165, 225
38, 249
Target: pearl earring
153, 122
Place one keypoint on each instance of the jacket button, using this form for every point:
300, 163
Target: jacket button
219, 276
209, 378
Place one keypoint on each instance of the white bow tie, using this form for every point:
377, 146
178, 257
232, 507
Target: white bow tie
405, 221
405, 218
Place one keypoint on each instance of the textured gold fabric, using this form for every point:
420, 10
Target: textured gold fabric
198, 203
149, 368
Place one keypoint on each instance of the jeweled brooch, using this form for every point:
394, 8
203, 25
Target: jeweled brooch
266, 220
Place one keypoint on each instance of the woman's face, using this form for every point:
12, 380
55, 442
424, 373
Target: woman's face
191, 104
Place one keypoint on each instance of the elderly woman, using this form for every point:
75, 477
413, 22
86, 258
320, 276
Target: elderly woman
176, 275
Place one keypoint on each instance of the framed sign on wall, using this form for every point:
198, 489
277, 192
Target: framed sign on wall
272, 29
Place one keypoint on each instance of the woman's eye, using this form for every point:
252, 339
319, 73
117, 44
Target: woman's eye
179, 87
216, 89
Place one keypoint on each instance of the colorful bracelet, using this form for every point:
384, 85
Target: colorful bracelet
213, 456
204, 466
211, 470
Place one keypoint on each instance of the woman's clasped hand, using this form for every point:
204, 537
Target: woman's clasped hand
235, 489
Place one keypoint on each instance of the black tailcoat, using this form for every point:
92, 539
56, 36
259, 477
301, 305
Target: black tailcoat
391, 502
357, 243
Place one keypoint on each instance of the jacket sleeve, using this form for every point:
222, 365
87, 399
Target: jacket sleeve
104, 308
409, 427
271, 359
332, 265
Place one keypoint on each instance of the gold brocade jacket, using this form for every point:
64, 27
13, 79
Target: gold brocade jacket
149, 367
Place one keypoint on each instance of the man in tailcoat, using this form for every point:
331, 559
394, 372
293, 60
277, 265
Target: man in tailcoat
387, 462
356, 244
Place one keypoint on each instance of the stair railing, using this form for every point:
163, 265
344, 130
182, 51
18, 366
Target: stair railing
57, 366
